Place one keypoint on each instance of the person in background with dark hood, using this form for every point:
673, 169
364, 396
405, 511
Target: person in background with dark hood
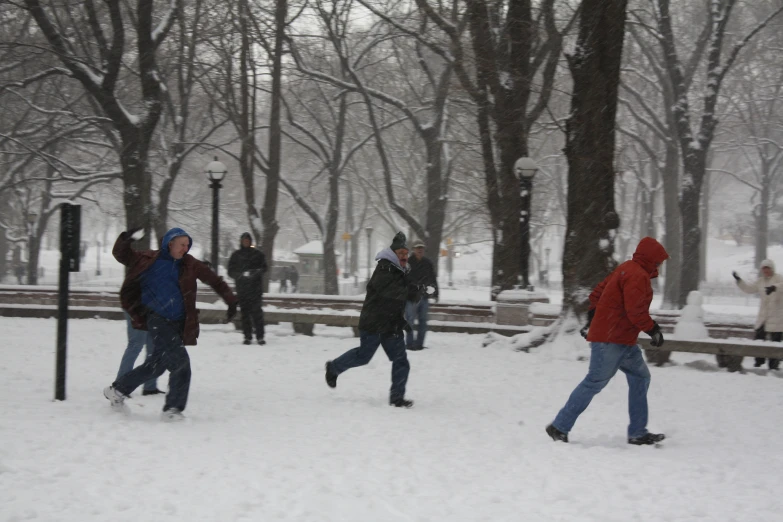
619, 310
246, 267
382, 321
159, 294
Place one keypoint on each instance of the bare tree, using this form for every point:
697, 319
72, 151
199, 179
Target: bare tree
76, 35
590, 149
695, 142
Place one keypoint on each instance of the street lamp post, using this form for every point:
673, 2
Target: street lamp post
525, 168
32, 276
346, 238
98, 259
216, 171
369, 252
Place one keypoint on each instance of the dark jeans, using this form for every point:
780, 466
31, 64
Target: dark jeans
170, 354
252, 316
761, 334
394, 346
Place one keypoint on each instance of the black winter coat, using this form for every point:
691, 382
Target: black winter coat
423, 274
246, 267
383, 311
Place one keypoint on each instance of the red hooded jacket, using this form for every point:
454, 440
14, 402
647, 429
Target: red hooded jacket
622, 300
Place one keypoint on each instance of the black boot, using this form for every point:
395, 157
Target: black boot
331, 376
759, 362
261, 342
247, 341
152, 392
401, 403
647, 439
556, 434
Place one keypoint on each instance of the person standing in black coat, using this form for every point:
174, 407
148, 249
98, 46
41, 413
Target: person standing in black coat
422, 274
382, 321
247, 266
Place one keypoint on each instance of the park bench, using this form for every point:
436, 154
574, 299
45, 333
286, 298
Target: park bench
728, 351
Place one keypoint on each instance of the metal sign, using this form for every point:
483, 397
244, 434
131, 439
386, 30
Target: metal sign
70, 235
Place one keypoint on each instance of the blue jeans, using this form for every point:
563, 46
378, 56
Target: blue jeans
170, 354
605, 360
393, 345
414, 311
136, 341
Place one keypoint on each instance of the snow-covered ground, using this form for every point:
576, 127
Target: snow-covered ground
267, 440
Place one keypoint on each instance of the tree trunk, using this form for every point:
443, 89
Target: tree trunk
590, 147
762, 223
695, 168
269, 210
673, 226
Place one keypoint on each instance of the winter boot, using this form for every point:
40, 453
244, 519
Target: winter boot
172, 415
401, 403
247, 341
115, 398
556, 434
415, 348
261, 342
647, 439
759, 362
152, 392
331, 376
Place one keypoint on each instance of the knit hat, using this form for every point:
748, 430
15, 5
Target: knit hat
245, 235
399, 242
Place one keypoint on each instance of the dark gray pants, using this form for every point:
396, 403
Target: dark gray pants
170, 354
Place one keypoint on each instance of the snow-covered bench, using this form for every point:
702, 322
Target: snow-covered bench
734, 349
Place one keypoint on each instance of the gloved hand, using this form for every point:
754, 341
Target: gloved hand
136, 233
770, 289
656, 336
408, 328
232, 311
736, 276
586, 328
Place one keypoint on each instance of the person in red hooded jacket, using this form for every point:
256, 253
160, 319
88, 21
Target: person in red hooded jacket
619, 310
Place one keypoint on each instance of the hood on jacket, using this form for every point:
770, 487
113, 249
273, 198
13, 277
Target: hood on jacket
649, 253
768, 263
389, 255
171, 234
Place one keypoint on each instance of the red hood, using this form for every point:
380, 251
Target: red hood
649, 253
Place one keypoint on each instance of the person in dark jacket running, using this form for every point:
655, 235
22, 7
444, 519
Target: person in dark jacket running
247, 267
382, 321
619, 310
422, 274
159, 294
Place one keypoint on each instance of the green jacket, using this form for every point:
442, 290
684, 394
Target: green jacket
383, 311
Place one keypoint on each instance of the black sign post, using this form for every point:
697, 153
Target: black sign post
70, 240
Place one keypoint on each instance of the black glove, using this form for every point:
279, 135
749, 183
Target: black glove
736, 276
586, 328
770, 289
232, 311
407, 328
656, 337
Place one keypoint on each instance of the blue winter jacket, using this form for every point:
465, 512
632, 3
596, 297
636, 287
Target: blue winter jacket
160, 290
